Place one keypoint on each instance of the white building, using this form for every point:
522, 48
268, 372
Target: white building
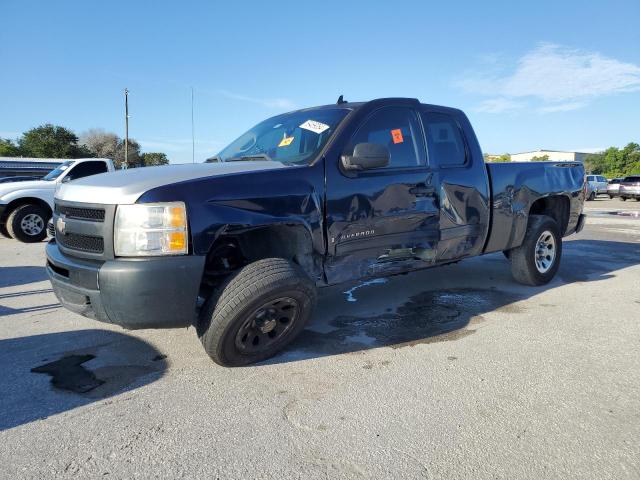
553, 155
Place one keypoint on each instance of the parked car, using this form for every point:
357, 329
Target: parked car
239, 246
613, 187
630, 188
596, 184
26, 207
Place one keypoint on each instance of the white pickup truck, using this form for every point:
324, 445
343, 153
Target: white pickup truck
27, 206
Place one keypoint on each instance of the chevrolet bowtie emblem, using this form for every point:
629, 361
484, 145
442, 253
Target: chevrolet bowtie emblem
60, 225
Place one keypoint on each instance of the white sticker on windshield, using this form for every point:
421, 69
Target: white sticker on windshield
314, 126
64, 167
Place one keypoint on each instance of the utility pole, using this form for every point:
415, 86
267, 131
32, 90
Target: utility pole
193, 134
126, 129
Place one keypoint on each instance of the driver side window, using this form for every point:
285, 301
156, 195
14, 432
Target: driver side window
396, 128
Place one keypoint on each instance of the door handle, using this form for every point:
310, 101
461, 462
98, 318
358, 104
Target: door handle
422, 190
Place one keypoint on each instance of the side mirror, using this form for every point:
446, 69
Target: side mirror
366, 156
66, 179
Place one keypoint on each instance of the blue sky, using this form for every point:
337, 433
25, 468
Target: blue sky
548, 74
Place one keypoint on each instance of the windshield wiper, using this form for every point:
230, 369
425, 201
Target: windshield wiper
256, 156
214, 159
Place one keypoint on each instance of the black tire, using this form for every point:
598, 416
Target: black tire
18, 230
624, 199
247, 298
528, 261
611, 197
592, 196
3, 231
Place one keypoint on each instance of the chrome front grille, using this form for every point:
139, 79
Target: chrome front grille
84, 230
81, 213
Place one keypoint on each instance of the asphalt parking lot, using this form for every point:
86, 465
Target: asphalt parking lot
455, 372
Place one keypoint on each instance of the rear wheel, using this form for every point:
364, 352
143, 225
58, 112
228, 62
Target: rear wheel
611, 197
260, 310
536, 261
592, 196
28, 223
624, 199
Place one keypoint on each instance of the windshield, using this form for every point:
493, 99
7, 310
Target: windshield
292, 138
53, 174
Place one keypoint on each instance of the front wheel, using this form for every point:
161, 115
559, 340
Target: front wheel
3, 231
610, 197
624, 199
536, 261
28, 223
592, 196
257, 312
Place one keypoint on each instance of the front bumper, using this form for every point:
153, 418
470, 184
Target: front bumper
158, 292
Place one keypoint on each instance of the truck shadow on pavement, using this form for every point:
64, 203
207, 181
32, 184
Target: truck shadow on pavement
13, 276
47, 374
443, 304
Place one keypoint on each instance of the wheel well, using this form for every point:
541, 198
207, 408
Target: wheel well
234, 250
556, 207
18, 202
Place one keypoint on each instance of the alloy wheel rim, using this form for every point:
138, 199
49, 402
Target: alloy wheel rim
545, 253
267, 325
32, 224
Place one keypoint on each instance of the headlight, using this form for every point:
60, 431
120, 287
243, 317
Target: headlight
151, 229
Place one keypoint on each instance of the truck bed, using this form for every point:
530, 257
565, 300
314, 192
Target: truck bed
518, 187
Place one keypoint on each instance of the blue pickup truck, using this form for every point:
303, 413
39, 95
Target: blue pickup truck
238, 246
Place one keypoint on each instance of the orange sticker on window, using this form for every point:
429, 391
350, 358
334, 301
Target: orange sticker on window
397, 136
286, 141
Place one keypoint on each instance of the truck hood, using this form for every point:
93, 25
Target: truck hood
126, 186
10, 187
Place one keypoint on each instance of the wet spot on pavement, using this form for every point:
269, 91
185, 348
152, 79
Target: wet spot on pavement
69, 374
428, 317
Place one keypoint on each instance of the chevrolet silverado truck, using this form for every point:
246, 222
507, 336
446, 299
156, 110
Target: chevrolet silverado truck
238, 246
27, 206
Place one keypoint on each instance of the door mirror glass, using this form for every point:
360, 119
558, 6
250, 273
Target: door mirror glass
366, 156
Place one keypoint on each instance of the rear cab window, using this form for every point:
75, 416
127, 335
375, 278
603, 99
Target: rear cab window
445, 143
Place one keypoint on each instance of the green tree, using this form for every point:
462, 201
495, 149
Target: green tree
615, 162
8, 148
154, 158
594, 163
51, 141
505, 157
542, 158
